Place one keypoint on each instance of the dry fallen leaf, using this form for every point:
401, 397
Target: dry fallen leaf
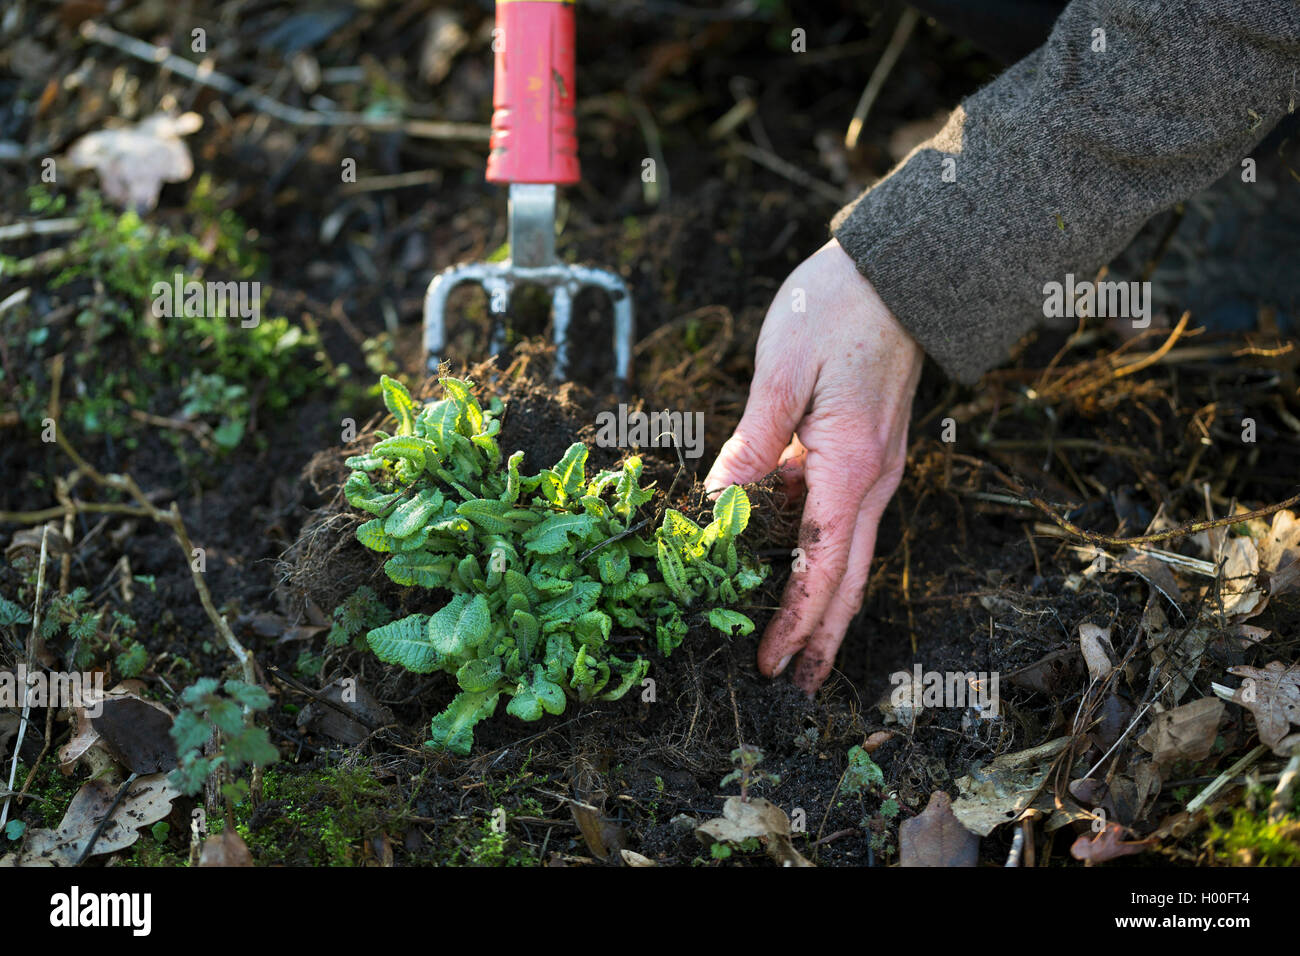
148, 800
758, 819
120, 737
1107, 845
1238, 580
349, 697
996, 794
133, 162
632, 858
1094, 641
227, 848
1279, 553
1272, 694
137, 734
1176, 657
1184, 733
936, 837
1050, 674
602, 836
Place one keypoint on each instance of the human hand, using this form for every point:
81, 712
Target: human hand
841, 372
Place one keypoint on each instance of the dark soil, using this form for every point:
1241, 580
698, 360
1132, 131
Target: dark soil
959, 583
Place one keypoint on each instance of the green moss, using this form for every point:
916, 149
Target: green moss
51, 792
1250, 840
318, 817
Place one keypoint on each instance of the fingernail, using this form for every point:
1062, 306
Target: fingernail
785, 662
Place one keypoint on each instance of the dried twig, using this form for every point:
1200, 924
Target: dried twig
1193, 527
1280, 805
170, 517
27, 697
1223, 779
902, 32
204, 75
790, 171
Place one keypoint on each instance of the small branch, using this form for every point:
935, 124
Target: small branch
74, 506
172, 518
1094, 537
39, 227
790, 171
204, 75
112, 808
27, 697
1280, 805
902, 32
1204, 797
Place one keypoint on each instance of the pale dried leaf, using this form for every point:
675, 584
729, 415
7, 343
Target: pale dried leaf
1272, 694
1094, 641
998, 793
1184, 733
133, 162
1238, 581
757, 819
148, 801
227, 848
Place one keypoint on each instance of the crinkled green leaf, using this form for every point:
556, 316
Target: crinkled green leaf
613, 563
728, 621
407, 643
670, 566
412, 514
630, 678
361, 493
487, 514
460, 626
406, 447
471, 415
629, 494
453, 729
479, 674
371, 534
420, 569
592, 628
526, 630
552, 535
731, 511
400, 403
568, 607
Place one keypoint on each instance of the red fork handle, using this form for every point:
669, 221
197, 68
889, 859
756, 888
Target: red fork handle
534, 134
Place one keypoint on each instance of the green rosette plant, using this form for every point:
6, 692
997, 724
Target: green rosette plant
540, 568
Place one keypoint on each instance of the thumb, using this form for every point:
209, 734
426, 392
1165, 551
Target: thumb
775, 407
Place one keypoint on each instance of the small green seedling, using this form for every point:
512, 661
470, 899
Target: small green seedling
746, 760
228, 711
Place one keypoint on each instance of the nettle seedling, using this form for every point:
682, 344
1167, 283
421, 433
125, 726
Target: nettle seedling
209, 707
539, 568
746, 760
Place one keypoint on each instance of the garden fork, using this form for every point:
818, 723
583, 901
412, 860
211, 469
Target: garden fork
533, 149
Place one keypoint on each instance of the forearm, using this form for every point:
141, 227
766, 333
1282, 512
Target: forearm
1056, 164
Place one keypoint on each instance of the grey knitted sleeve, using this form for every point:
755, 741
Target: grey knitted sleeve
1052, 168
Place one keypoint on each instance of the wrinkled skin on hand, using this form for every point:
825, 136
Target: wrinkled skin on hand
829, 403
